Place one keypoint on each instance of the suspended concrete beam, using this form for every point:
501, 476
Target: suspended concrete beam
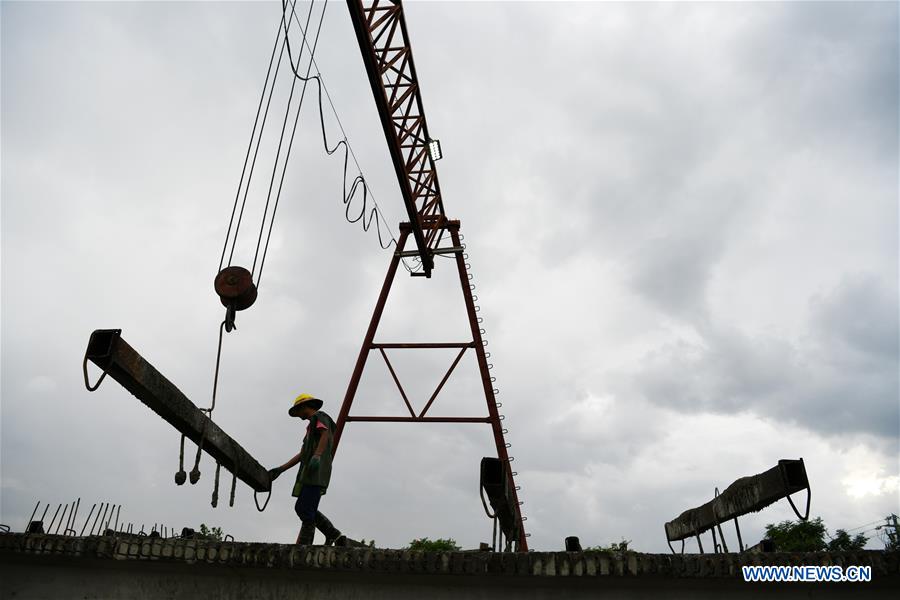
110, 352
746, 495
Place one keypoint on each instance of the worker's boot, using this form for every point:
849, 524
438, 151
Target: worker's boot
307, 533
331, 533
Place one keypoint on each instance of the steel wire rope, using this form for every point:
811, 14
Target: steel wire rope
287, 112
195, 472
312, 52
237, 195
253, 164
375, 213
258, 142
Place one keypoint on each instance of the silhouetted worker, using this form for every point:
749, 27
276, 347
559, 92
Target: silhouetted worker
315, 471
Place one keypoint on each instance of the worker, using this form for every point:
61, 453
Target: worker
315, 471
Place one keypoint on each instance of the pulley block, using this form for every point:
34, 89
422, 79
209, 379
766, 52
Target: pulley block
236, 290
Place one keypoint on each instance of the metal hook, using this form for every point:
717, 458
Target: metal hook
230, 315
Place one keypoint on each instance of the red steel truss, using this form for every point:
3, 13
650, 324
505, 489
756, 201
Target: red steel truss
384, 43
475, 345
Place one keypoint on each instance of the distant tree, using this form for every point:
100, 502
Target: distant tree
439, 545
800, 536
613, 547
210, 533
842, 542
369, 544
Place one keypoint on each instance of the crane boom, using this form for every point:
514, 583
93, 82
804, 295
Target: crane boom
384, 43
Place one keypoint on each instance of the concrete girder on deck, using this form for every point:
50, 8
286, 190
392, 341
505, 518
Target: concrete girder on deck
119, 360
746, 495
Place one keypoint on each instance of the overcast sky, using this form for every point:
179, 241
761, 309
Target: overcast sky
682, 220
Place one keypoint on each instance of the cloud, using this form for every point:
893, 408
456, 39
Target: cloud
860, 315
840, 377
682, 221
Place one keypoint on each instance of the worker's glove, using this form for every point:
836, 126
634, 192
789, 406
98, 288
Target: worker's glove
274, 473
314, 463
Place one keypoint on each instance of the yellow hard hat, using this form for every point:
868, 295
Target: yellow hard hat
304, 399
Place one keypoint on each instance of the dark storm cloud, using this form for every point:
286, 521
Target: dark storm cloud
840, 377
681, 218
860, 314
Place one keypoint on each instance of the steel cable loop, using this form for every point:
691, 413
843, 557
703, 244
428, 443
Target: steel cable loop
265, 504
91, 388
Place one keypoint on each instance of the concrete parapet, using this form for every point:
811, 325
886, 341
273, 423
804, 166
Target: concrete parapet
29, 561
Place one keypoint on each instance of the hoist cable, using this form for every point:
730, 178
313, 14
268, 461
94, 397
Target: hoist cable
312, 52
237, 194
255, 155
365, 215
287, 111
258, 144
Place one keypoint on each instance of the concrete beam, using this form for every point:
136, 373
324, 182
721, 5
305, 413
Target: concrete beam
746, 495
110, 352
